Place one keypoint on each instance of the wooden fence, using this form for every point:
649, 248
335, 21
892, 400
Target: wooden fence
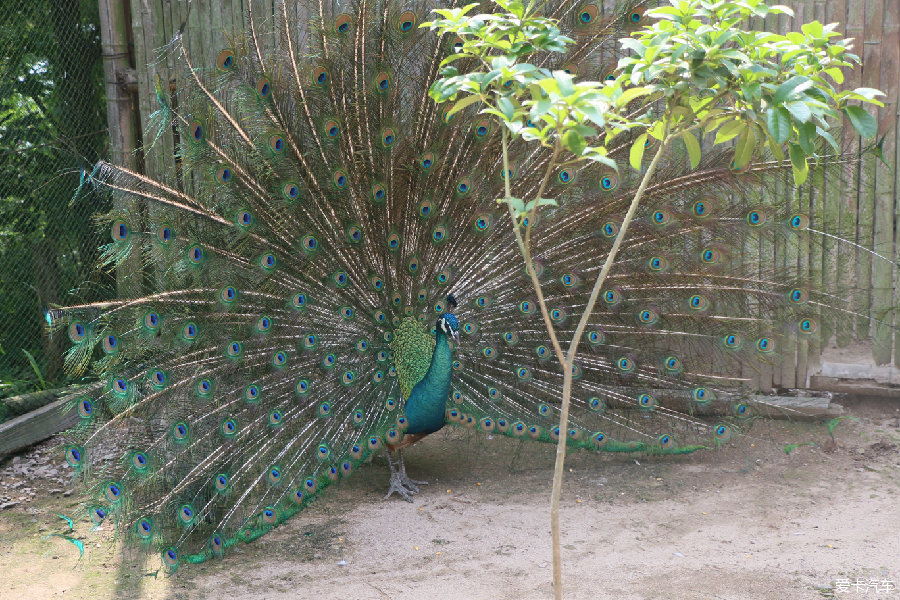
862, 203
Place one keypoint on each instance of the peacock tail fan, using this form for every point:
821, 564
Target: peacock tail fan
295, 267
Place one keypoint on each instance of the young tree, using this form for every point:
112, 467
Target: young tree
693, 73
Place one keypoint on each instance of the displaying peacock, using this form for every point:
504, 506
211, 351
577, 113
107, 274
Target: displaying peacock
329, 275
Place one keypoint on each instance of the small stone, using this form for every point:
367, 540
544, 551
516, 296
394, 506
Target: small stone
67, 493
9, 504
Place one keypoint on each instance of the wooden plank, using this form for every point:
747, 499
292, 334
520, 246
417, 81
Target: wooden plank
887, 186
35, 426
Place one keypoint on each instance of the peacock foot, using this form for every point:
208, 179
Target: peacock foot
411, 484
398, 487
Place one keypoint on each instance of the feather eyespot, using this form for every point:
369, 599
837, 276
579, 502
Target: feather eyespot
342, 23
197, 131
225, 59
407, 21
331, 129
799, 222
290, 191
610, 229
320, 76
276, 143
119, 231
608, 183
463, 186
426, 161
339, 179
482, 128
379, 193
588, 14
382, 82
77, 332
388, 137
263, 88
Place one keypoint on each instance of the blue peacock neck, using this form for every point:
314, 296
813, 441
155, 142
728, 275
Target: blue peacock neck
427, 402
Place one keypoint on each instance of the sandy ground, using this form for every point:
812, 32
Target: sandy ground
748, 522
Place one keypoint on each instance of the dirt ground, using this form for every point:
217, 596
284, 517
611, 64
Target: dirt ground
748, 522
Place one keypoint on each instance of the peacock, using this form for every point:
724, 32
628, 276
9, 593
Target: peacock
328, 275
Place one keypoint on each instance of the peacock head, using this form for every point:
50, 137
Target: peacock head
448, 323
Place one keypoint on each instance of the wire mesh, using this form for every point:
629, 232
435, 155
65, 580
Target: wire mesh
52, 125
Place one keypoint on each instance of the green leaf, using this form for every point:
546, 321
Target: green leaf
862, 121
744, 151
506, 107
807, 138
574, 142
636, 155
467, 101
792, 86
730, 130
800, 110
778, 121
799, 164
693, 148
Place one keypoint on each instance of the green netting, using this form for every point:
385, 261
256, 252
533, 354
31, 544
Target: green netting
52, 124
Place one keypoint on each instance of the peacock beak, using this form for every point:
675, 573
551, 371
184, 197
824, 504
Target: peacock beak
456, 336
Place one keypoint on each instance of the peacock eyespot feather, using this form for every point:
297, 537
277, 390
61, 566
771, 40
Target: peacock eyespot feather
379, 193
204, 388
808, 326
798, 296
217, 544
511, 338
542, 351
263, 88
569, 69
637, 15
228, 295
666, 441
407, 21
290, 191
594, 337
279, 359
75, 456
483, 223
77, 332
85, 408
164, 234
158, 379
302, 387
700, 209
98, 515
673, 365
426, 161
608, 182
224, 174
610, 229
252, 394
698, 302
331, 129
733, 341
225, 59
757, 218
221, 483
588, 14
711, 256
393, 242
741, 410
702, 395
119, 231
310, 243
244, 219
535, 431
382, 82
723, 432
798, 222
343, 23
180, 431
340, 279
425, 208
646, 402
565, 176
329, 361
558, 315
662, 217
144, 528
276, 144
119, 386
482, 128
648, 317
658, 264
197, 131
612, 297
438, 235
626, 364
457, 365
463, 186
170, 558
195, 255
388, 137
320, 76
373, 443
765, 345
339, 179
596, 404
275, 475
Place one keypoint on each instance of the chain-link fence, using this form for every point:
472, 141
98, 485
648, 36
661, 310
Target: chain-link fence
52, 124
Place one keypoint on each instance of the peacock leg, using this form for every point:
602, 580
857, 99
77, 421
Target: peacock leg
396, 482
410, 484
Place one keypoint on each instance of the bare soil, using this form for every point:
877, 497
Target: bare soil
746, 522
